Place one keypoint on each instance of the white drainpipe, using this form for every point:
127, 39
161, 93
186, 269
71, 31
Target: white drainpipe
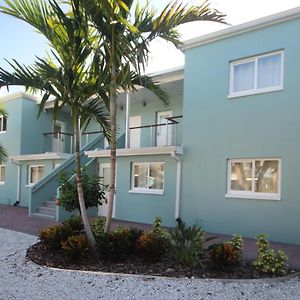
178, 185
18, 180
127, 131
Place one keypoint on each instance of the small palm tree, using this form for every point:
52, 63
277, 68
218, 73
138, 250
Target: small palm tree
123, 40
67, 76
3, 153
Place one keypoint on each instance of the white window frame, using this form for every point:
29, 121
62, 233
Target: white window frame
255, 90
2, 123
2, 166
29, 173
252, 195
146, 190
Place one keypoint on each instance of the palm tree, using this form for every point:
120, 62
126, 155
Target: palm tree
67, 76
3, 153
123, 39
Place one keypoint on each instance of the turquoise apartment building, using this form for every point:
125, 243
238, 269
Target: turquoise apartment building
223, 154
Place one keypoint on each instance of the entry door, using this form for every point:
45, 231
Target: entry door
163, 133
104, 172
58, 138
135, 134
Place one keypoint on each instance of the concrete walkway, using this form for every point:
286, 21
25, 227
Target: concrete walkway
16, 218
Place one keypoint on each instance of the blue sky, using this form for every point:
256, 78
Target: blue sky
21, 42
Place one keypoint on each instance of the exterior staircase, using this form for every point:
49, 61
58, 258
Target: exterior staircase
47, 211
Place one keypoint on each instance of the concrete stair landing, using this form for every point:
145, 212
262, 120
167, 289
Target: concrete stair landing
47, 211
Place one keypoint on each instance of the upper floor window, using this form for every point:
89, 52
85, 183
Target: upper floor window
35, 173
148, 177
3, 122
254, 178
2, 174
259, 74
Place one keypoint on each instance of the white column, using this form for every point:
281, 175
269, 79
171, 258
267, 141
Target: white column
127, 131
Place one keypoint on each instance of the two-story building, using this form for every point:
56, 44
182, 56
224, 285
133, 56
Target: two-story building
223, 154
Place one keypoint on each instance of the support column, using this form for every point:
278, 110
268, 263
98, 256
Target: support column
127, 130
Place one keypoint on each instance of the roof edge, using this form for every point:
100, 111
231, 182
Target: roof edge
19, 95
242, 28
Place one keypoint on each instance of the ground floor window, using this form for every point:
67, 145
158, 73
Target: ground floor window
35, 173
148, 177
2, 174
254, 178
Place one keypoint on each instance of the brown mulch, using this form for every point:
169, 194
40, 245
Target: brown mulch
39, 254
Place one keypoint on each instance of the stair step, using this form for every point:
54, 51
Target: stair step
47, 211
53, 198
43, 216
51, 204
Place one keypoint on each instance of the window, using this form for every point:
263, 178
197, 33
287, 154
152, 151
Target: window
254, 178
263, 73
148, 177
35, 173
2, 174
3, 122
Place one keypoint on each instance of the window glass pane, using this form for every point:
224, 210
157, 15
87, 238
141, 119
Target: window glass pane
156, 176
241, 176
40, 172
243, 77
36, 173
269, 71
32, 175
2, 173
266, 176
140, 176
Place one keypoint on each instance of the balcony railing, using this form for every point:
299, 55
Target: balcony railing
156, 135
62, 142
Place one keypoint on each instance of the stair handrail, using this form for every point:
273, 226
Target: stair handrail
55, 171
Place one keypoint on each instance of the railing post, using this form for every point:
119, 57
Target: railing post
57, 142
167, 133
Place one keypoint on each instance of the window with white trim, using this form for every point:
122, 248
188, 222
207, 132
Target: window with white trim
259, 74
3, 123
148, 177
254, 178
35, 173
2, 174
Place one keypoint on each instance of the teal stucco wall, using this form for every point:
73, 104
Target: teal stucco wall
217, 128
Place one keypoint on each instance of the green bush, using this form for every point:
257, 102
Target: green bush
268, 261
75, 224
76, 246
119, 244
227, 255
97, 226
53, 236
187, 244
94, 192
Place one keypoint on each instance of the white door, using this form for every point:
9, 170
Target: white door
58, 138
104, 172
135, 134
164, 132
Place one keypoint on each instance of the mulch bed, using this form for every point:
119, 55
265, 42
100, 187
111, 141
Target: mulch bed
39, 254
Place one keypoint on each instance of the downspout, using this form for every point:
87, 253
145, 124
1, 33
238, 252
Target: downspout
178, 184
127, 131
18, 182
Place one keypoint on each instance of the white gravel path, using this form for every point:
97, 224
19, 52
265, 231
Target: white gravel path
22, 279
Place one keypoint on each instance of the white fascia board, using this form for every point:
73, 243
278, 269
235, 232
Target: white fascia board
19, 95
42, 156
137, 151
242, 28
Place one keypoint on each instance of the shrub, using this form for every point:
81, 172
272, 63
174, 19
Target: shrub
53, 236
75, 246
97, 226
94, 193
75, 224
268, 261
118, 244
187, 244
227, 255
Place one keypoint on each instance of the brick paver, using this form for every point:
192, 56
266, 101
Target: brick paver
16, 218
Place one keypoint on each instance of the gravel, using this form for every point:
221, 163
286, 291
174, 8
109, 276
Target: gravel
22, 279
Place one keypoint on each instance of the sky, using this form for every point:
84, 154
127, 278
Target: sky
19, 41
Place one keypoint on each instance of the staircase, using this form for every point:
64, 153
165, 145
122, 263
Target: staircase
47, 211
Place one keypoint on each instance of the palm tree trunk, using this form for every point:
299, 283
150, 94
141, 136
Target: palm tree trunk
87, 227
113, 141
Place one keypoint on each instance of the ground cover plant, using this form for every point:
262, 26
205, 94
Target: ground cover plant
179, 252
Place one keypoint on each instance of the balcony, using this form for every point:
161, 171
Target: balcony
62, 142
